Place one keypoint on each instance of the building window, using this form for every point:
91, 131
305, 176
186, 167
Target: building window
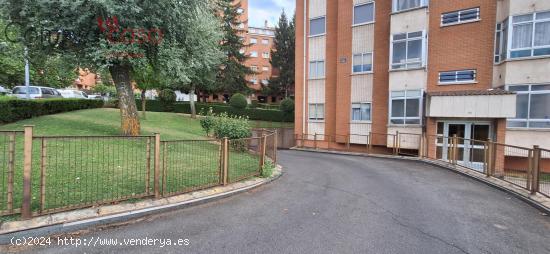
408, 50
405, 107
361, 111
265, 68
254, 68
253, 54
402, 5
463, 76
265, 82
317, 26
265, 54
265, 41
316, 69
363, 13
253, 40
532, 106
530, 35
240, 10
457, 17
362, 63
501, 41
254, 80
317, 111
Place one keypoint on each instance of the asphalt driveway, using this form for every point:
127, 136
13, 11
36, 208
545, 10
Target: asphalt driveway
342, 204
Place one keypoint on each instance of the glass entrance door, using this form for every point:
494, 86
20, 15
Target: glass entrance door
471, 136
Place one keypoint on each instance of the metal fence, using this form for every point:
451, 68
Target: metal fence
10, 164
528, 168
47, 174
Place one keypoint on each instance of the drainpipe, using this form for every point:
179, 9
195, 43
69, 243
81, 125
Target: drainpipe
305, 69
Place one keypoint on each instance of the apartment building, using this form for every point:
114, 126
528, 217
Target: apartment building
260, 44
477, 69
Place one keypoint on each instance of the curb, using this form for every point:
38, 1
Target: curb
496, 183
72, 226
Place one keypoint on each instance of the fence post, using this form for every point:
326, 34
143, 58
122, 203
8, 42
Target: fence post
315, 140
348, 137
275, 146
156, 177
536, 169
421, 145
394, 149
370, 142
11, 169
455, 149
486, 158
43, 164
398, 142
26, 212
262, 153
225, 160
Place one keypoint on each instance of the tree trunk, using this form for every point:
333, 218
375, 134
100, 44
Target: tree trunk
192, 103
143, 104
126, 101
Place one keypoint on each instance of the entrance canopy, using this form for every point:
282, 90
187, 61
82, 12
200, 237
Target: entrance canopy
493, 103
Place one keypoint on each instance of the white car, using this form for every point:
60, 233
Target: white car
69, 93
36, 92
3, 90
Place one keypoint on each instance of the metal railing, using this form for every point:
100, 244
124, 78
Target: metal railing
47, 174
528, 168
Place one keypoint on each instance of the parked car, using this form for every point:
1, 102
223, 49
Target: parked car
3, 90
69, 93
36, 92
95, 97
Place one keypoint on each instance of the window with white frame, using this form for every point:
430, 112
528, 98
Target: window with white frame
363, 13
406, 107
265, 82
402, 5
265, 68
254, 80
265, 54
253, 40
532, 106
253, 54
458, 17
316, 69
265, 41
254, 68
501, 41
360, 111
317, 26
463, 76
530, 35
362, 62
408, 50
317, 111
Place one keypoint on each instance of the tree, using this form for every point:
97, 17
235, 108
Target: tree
121, 34
146, 78
282, 57
232, 73
52, 71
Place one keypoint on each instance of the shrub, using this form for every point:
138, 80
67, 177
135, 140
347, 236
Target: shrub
267, 169
208, 121
167, 98
287, 106
238, 101
235, 128
12, 109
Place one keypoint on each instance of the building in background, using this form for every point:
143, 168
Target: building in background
477, 69
260, 41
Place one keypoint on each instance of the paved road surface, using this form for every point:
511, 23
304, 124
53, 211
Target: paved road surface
343, 204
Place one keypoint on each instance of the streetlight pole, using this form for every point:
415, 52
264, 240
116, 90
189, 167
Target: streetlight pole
27, 74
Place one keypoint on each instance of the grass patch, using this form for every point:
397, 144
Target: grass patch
85, 171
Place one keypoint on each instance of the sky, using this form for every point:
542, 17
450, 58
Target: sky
270, 10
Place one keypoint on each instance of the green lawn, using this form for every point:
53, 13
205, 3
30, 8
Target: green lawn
83, 171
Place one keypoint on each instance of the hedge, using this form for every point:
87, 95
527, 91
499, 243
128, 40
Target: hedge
12, 110
270, 115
